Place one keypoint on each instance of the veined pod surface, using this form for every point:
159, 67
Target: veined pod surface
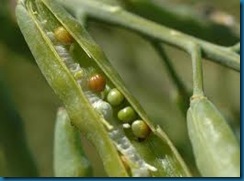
69, 157
215, 147
67, 70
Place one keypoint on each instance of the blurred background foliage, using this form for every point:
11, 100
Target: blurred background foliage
28, 103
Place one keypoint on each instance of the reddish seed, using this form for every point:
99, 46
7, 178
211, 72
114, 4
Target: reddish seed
97, 83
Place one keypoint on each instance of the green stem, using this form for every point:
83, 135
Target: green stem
118, 16
190, 19
197, 71
175, 78
236, 47
182, 98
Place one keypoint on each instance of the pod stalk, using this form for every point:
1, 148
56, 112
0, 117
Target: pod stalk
197, 72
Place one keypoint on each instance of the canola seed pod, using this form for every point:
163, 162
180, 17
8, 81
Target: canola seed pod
69, 157
215, 147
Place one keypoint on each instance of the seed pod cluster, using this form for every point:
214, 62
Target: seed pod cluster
215, 147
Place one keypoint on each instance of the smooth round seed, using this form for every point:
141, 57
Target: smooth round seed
115, 97
140, 129
127, 114
97, 83
62, 35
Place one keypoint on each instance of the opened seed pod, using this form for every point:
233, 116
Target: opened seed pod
67, 69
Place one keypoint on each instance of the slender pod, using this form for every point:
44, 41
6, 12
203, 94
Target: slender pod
215, 146
69, 157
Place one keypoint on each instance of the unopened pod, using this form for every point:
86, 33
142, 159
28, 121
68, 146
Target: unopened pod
69, 158
215, 146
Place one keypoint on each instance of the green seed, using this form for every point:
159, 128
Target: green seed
140, 129
115, 97
127, 114
214, 144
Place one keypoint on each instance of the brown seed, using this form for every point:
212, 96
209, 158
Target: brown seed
97, 83
62, 35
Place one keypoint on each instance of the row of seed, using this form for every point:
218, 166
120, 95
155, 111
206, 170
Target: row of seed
127, 114
97, 83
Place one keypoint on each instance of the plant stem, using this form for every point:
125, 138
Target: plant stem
183, 95
190, 19
236, 47
177, 81
197, 71
118, 16
182, 98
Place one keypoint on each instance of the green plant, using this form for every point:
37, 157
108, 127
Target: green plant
96, 98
